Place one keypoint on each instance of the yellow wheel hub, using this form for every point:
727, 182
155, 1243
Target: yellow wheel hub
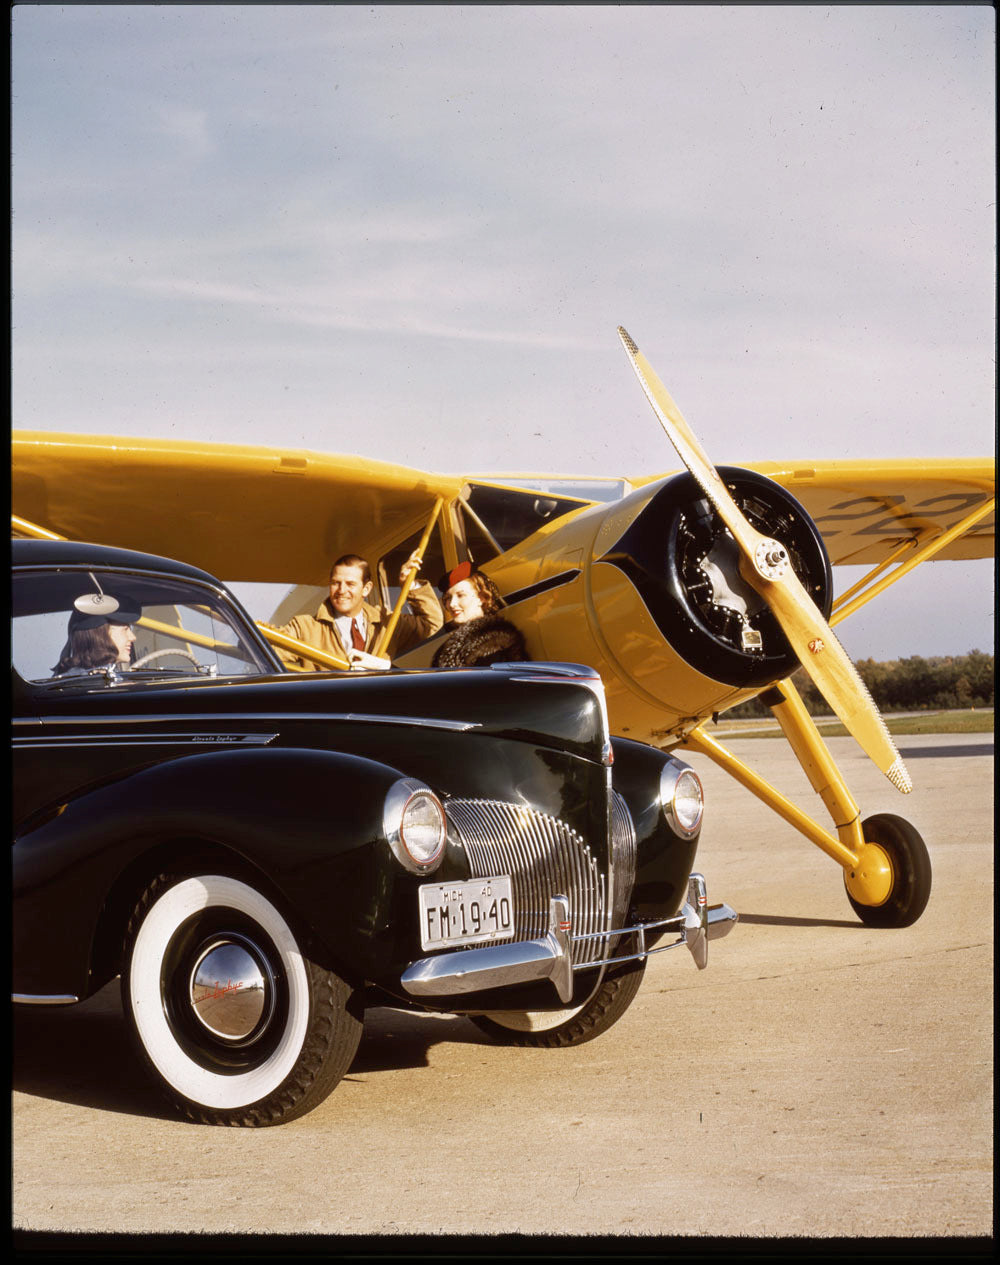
870, 881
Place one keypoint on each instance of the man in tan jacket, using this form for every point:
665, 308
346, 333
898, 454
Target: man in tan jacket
346, 624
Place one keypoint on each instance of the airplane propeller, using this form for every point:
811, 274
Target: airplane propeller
765, 564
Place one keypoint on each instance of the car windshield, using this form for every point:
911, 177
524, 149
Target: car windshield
180, 627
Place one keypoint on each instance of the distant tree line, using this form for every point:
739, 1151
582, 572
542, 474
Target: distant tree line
905, 685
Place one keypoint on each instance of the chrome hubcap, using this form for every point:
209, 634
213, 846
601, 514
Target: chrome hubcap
232, 989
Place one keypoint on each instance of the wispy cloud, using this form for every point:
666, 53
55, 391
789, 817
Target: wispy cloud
188, 129
241, 220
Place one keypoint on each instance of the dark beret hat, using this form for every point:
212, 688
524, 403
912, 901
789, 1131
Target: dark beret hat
126, 613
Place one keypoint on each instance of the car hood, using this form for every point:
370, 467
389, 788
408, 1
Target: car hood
557, 705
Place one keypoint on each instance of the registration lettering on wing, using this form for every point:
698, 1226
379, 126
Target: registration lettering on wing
470, 912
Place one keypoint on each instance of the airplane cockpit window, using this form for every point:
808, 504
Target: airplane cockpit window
597, 488
479, 544
388, 569
160, 627
509, 515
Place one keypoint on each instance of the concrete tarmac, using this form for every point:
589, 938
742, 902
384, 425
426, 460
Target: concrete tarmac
818, 1079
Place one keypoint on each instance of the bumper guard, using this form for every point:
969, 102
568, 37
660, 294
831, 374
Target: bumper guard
525, 961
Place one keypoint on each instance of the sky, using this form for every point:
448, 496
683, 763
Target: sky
411, 232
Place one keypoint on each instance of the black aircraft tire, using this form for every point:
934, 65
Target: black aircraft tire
557, 1030
234, 1020
911, 872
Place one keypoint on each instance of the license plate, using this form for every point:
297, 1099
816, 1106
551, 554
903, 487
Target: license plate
478, 910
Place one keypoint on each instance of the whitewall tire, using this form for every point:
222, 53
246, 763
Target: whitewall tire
235, 1021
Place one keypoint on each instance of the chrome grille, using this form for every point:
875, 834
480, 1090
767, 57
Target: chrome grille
544, 858
623, 858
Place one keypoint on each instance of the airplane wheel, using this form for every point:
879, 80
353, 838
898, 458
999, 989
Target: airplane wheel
910, 870
559, 1029
227, 1010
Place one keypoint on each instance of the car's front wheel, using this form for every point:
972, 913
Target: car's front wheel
558, 1029
233, 1018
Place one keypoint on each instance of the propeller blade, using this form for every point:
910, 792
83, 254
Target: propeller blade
766, 565
834, 675
689, 449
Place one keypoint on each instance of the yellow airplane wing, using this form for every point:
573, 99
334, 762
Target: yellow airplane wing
242, 513
282, 515
866, 509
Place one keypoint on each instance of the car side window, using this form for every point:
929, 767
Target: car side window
36, 642
179, 628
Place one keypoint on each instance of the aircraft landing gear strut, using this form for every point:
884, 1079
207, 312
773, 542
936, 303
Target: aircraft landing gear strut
887, 871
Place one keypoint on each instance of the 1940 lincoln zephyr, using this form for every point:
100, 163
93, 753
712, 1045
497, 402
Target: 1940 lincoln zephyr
260, 854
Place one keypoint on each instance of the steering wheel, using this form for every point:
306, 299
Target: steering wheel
159, 654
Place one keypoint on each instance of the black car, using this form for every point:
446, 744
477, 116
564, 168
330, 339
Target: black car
261, 854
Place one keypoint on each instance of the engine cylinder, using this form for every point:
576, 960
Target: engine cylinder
685, 565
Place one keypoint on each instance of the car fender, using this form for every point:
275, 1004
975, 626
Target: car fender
308, 822
664, 857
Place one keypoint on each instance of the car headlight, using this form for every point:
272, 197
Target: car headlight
682, 798
415, 825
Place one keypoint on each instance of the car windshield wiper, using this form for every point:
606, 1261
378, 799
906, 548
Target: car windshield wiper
196, 669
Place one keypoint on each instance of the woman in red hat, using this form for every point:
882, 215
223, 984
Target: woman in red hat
479, 635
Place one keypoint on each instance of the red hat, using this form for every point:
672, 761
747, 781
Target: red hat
455, 576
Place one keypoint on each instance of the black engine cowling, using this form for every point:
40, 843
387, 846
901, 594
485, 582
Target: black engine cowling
684, 563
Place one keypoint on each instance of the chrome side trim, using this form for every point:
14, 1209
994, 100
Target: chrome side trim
44, 999
550, 956
265, 717
549, 668
457, 726
40, 742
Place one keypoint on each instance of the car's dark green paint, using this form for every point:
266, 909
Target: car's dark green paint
280, 779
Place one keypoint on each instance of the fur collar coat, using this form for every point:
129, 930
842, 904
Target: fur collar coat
480, 642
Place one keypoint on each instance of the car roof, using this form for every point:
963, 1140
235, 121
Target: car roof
49, 553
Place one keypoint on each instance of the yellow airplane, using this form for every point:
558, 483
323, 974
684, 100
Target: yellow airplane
690, 592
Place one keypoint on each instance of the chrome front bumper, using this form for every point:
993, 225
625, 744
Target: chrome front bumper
526, 961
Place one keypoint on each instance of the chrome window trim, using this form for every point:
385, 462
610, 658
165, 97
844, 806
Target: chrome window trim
243, 620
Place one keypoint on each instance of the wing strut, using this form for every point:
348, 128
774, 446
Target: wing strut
21, 527
843, 607
390, 625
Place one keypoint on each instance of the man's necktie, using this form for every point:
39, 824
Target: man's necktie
357, 641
